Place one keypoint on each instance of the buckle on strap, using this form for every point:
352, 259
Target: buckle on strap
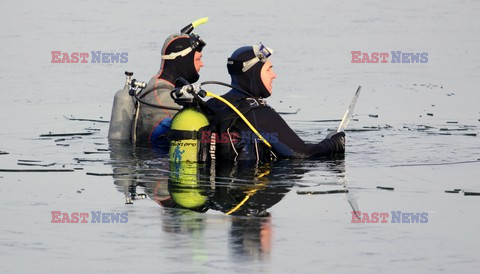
254, 102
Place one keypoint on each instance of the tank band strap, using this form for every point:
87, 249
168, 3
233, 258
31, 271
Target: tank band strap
175, 134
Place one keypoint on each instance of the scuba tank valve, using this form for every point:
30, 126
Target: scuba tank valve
137, 84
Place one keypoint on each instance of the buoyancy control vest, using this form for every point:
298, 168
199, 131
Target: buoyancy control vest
235, 140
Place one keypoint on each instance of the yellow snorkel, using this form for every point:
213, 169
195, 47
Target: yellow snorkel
189, 28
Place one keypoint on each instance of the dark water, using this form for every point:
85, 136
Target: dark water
277, 227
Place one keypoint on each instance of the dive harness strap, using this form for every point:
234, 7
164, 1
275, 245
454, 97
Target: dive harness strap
241, 116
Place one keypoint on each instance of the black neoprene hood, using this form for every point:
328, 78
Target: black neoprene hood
251, 80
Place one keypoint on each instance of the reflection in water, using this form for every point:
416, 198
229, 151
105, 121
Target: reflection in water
244, 191
186, 222
251, 237
182, 222
249, 190
135, 166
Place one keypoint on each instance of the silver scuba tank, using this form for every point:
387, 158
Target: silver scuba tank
123, 111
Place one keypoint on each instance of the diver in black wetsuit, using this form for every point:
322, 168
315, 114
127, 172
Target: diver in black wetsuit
181, 57
252, 75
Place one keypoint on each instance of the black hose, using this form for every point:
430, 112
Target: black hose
226, 85
196, 97
154, 105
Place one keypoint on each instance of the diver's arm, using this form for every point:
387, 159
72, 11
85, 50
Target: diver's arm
288, 144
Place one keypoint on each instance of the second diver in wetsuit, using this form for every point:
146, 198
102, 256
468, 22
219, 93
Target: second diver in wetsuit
181, 57
252, 75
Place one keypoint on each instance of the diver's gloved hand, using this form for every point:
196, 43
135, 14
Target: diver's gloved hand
338, 141
329, 135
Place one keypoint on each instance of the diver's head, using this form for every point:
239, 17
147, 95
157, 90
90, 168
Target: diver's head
251, 70
182, 57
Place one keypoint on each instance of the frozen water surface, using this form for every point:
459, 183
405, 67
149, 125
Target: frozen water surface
419, 155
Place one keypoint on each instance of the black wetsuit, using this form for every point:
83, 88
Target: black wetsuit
243, 144
248, 96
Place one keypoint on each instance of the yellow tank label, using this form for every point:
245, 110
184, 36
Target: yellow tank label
183, 150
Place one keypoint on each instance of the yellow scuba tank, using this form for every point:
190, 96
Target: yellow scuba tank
185, 135
187, 151
185, 154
